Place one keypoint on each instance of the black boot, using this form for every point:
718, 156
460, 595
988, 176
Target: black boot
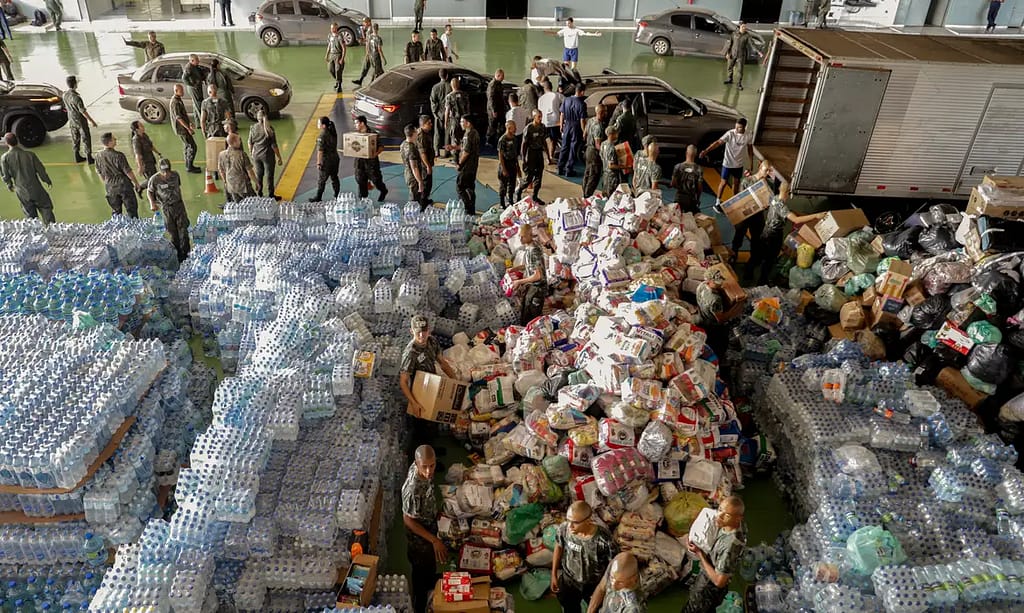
78, 159
91, 161
383, 194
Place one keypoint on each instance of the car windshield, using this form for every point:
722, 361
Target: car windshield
230, 65
332, 7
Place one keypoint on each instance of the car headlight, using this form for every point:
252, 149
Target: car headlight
276, 91
56, 107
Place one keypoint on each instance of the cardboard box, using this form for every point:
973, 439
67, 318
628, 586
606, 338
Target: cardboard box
807, 235
914, 295
882, 318
443, 399
838, 332
625, 155
951, 380
954, 338
868, 297
840, 223
888, 304
359, 145
1007, 208
214, 145
709, 225
747, 203
851, 316
359, 585
895, 281
480, 603
876, 245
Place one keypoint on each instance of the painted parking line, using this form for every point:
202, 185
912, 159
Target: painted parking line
305, 146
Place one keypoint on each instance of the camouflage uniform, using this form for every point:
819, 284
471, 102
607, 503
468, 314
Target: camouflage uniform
419, 501
194, 79
374, 44
456, 104
234, 166
214, 111
425, 142
411, 159
261, 144
584, 561
330, 162
688, 179
225, 87
531, 258
152, 50
188, 143
592, 172
497, 107
509, 171
79, 125
113, 168
433, 50
142, 146
166, 192
725, 555
465, 180
335, 53
647, 173
438, 94
417, 10
56, 9
367, 170
736, 54
416, 357
534, 144
22, 171
612, 177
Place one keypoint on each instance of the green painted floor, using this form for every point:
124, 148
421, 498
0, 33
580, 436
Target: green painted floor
97, 58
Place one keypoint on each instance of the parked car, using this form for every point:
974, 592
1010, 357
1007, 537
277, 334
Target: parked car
676, 119
30, 110
148, 90
402, 94
690, 31
281, 22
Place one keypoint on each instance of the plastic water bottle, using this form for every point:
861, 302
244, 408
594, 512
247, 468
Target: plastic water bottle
94, 550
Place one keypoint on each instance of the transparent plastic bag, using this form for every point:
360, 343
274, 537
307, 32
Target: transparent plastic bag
856, 285
856, 459
628, 414
804, 256
830, 298
803, 278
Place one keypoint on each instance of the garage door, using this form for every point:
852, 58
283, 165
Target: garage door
997, 148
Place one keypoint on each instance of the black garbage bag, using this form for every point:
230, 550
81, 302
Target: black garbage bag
930, 314
1003, 288
555, 383
901, 243
814, 339
816, 314
1015, 339
937, 240
917, 353
990, 362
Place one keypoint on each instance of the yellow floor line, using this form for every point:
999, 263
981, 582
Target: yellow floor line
712, 178
305, 146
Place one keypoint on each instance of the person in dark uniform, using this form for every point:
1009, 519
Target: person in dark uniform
78, 121
413, 164
24, 175
583, 550
236, 169
375, 47
225, 85
528, 96
736, 51
456, 104
184, 128
534, 144
438, 93
365, 31
56, 9
718, 565
164, 193
594, 134
145, 152
226, 18
264, 151
327, 159
688, 181
151, 46
118, 178
194, 78
417, 11
335, 55
213, 113
468, 164
425, 146
433, 50
533, 287
368, 169
573, 116
993, 14
497, 106
610, 161
414, 48
625, 122
508, 165
419, 514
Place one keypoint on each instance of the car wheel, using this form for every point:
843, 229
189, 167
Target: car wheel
271, 37
152, 111
30, 131
253, 106
661, 46
348, 36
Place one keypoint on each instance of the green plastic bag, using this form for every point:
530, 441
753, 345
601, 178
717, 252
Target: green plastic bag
535, 583
856, 285
551, 536
982, 332
520, 521
871, 547
557, 468
681, 511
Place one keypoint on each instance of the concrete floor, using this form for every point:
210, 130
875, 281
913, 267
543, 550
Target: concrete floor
97, 57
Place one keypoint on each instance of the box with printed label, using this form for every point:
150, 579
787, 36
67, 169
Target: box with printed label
479, 603
895, 280
748, 203
840, 223
442, 399
359, 145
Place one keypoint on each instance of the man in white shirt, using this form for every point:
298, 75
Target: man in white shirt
519, 115
448, 40
541, 68
737, 148
550, 103
570, 35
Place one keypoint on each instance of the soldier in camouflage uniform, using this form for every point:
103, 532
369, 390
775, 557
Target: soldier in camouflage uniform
375, 51
164, 193
508, 165
425, 143
214, 112
327, 160
594, 135
610, 161
413, 163
619, 590
438, 93
468, 164
419, 513
264, 151
335, 56
433, 50
145, 152
78, 120
118, 177
365, 31
583, 550
184, 128
534, 144
456, 104
648, 173
736, 50
688, 181
533, 287
368, 169
56, 9
195, 78
236, 170
151, 46
22, 172
225, 85
718, 565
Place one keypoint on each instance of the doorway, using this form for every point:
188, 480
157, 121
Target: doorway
761, 11
507, 9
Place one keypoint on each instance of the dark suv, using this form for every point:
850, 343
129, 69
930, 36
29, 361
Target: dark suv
30, 110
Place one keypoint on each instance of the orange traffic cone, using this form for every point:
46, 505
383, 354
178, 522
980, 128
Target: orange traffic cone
211, 187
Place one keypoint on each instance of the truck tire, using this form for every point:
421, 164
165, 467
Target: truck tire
30, 130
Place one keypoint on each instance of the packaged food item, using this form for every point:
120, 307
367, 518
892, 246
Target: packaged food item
614, 435
475, 559
656, 441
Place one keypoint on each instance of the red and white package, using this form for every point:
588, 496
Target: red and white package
578, 455
475, 559
614, 435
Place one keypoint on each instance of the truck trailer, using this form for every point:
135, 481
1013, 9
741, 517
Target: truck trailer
878, 114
